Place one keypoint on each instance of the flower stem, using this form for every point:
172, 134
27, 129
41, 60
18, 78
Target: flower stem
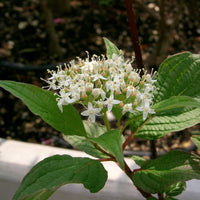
119, 124
105, 120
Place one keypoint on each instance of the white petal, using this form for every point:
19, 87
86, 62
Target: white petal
110, 107
92, 118
116, 101
90, 107
85, 113
145, 114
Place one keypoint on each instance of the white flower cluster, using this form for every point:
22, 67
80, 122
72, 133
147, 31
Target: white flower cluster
101, 84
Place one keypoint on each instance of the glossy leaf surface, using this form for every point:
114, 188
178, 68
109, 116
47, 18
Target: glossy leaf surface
53, 172
43, 103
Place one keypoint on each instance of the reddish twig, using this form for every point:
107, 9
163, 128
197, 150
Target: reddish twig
134, 33
132, 134
106, 159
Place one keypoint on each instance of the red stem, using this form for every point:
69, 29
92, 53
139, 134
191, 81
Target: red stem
134, 33
127, 141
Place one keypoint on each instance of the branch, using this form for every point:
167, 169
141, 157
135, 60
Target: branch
154, 153
132, 134
129, 173
134, 33
54, 46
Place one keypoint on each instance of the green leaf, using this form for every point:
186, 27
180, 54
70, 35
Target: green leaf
138, 160
196, 140
157, 175
176, 102
81, 143
178, 81
111, 142
43, 103
53, 172
176, 189
178, 75
94, 129
39, 195
111, 48
173, 114
169, 121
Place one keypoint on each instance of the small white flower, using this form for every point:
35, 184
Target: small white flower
64, 100
133, 76
109, 63
145, 109
75, 96
149, 79
100, 103
54, 76
96, 92
110, 102
88, 67
64, 83
60, 104
112, 70
97, 77
98, 81
82, 89
117, 59
109, 85
130, 90
89, 86
115, 87
142, 97
73, 87
127, 108
128, 68
80, 83
91, 112
118, 76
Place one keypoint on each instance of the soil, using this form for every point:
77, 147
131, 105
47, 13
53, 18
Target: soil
24, 39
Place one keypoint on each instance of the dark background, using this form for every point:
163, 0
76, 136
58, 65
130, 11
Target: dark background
42, 33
